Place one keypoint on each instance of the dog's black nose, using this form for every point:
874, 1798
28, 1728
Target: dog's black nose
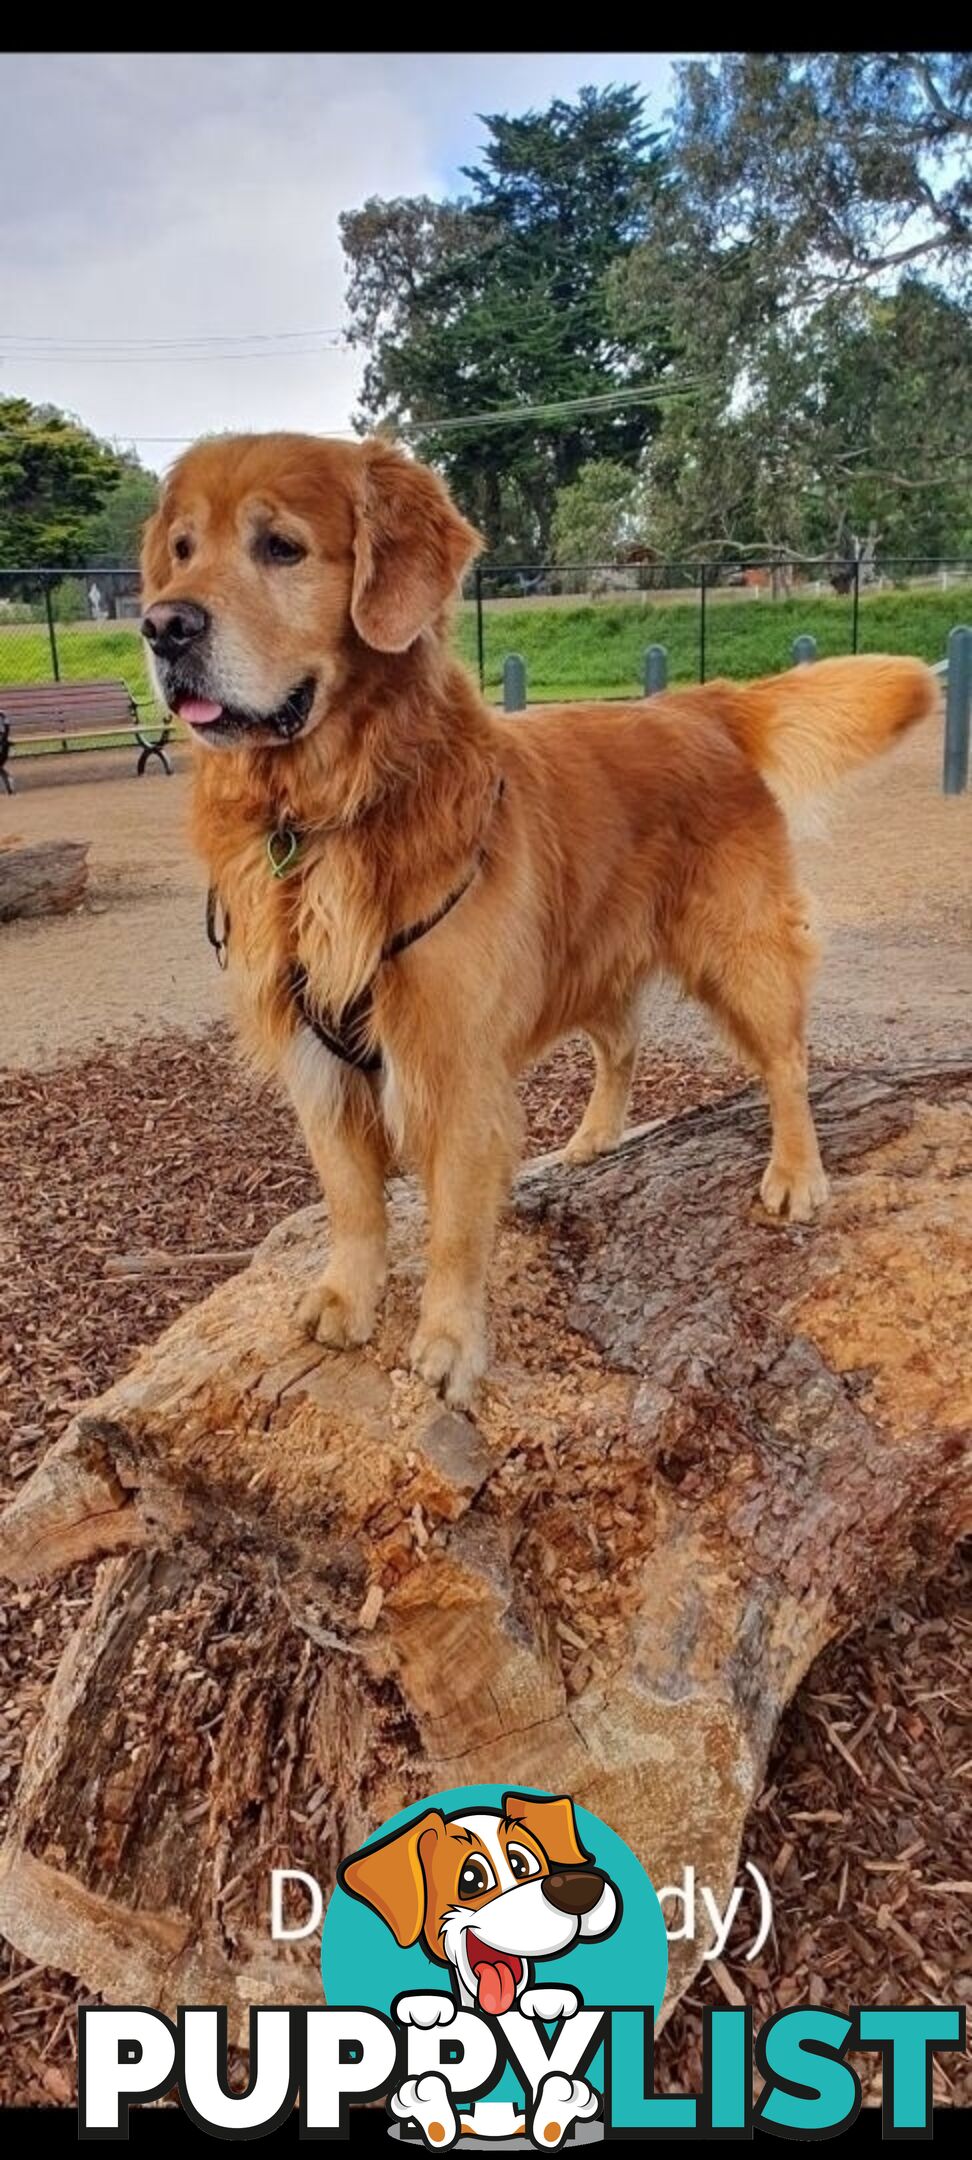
171, 626
576, 1892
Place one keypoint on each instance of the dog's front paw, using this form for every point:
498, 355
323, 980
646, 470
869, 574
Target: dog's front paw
560, 2101
450, 1360
425, 2010
331, 1316
797, 1193
427, 2101
549, 2003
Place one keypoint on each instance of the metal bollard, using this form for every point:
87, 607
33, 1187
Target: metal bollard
804, 650
958, 703
655, 670
514, 683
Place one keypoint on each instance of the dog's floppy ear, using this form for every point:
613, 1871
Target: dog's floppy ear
553, 1825
390, 1877
410, 549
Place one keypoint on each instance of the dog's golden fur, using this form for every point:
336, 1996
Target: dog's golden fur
628, 839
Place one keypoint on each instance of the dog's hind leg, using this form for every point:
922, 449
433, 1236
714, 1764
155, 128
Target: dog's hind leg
614, 1037
348, 1146
754, 976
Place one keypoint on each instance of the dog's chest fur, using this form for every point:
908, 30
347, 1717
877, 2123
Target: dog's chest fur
320, 916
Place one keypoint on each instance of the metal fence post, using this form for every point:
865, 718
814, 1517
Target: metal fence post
480, 641
702, 624
654, 673
51, 632
856, 605
804, 650
514, 683
958, 705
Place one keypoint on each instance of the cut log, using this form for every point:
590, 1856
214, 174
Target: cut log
710, 1444
48, 879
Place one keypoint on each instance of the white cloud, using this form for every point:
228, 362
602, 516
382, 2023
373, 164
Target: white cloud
160, 195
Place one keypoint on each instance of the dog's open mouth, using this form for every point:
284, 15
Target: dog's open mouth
497, 1974
207, 717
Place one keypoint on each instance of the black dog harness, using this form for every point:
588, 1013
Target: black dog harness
344, 1034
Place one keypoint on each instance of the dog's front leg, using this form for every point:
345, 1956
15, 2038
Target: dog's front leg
348, 1147
467, 1164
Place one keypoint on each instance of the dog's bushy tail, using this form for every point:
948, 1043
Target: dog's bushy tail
804, 729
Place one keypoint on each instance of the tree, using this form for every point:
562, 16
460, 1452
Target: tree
809, 198
501, 299
854, 421
54, 475
889, 420
597, 513
114, 534
800, 173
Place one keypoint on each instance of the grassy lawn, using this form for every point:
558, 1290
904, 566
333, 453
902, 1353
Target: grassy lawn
597, 651
581, 651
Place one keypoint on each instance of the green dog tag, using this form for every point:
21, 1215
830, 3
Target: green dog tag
282, 847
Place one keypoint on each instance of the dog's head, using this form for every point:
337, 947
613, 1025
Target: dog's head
272, 560
488, 1892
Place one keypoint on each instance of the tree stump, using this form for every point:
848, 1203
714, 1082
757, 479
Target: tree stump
48, 879
710, 1443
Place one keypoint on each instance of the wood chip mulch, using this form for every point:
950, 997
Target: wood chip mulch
862, 1829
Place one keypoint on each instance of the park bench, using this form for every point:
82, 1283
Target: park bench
76, 716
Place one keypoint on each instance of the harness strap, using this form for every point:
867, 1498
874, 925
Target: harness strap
343, 1033
344, 1039
218, 937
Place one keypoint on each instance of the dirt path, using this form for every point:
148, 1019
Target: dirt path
890, 875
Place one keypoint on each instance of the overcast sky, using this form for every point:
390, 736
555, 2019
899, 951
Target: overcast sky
180, 196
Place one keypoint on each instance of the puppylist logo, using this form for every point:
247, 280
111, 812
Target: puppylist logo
492, 1961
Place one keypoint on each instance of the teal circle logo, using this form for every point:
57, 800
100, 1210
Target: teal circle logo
557, 1889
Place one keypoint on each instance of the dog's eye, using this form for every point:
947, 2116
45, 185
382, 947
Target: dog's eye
523, 1864
276, 548
182, 548
476, 1876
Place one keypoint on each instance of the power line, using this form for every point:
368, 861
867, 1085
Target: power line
114, 344
163, 359
511, 415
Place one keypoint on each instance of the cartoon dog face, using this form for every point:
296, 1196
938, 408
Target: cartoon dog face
487, 1892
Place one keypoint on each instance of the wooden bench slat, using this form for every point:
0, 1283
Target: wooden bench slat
28, 711
85, 734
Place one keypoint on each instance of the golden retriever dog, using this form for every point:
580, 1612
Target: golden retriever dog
419, 897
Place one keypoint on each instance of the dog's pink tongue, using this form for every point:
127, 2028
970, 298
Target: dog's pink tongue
497, 1989
199, 711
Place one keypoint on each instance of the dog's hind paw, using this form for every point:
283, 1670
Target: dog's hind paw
587, 1143
560, 2102
427, 2102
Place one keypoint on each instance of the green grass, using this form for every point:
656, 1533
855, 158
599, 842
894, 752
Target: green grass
581, 651
598, 651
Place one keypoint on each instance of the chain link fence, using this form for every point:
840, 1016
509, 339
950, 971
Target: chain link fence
581, 628
72, 626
